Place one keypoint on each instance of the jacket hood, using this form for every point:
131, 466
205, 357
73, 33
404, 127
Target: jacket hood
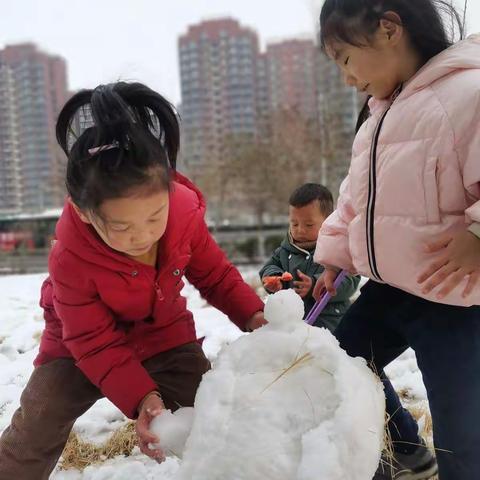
463, 55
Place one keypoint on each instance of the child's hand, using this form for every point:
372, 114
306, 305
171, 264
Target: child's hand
151, 406
325, 283
304, 285
460, 256
257, 321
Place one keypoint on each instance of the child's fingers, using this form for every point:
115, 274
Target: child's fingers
144, 447
329, 279
142, 427
145, 435
451, 283
432, 269
155, 453
439, 277
439, 244
472, 282
147, 439
302, 275
301, 291
319, 289
154, 412
306, 280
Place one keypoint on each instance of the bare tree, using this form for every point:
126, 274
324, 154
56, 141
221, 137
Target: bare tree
282, 157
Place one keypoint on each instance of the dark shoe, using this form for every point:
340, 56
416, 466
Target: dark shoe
419, 465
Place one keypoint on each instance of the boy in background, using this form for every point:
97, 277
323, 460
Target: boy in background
292, 265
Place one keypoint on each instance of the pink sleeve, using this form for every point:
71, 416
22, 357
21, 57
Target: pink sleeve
333, 244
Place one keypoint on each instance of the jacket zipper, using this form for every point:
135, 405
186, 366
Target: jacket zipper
372, 191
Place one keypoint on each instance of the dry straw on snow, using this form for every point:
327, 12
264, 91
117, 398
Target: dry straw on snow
80, 454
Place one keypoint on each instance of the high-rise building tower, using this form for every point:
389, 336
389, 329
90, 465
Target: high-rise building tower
33, 87
291, 72
218, 84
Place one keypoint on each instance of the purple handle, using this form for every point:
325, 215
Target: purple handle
322, 302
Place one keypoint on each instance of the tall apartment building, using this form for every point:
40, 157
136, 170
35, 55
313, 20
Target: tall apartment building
10, 179
33, 87
291, 71
218, 85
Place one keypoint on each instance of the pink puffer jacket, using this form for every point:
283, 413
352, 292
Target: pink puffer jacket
414, 175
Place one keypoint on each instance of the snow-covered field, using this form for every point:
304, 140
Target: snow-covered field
21, 324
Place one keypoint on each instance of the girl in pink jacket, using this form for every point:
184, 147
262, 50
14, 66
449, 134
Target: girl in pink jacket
408, 217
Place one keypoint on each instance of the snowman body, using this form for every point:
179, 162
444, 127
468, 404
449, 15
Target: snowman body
286, 403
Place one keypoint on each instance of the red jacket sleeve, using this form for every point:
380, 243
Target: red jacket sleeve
100, 351
218, 281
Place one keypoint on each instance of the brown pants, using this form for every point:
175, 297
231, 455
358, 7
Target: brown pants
58, 393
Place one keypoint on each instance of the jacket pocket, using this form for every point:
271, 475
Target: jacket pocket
431, 191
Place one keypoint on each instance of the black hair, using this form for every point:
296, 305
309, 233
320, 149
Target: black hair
118, 138
363, 115
310, 192
355, 21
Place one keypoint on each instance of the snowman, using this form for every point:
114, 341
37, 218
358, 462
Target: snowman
282, 403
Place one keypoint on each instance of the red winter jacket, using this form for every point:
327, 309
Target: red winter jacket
110, 312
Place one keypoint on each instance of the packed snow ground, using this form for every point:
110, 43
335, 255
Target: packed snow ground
21, 324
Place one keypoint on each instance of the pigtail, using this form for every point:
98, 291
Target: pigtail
155, 113
118, 138
65, 132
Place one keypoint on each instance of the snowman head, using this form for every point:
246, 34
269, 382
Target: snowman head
284, 309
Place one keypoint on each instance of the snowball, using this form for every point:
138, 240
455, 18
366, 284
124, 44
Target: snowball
172, 429
284, 308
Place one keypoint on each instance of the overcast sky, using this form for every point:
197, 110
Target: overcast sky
107, 40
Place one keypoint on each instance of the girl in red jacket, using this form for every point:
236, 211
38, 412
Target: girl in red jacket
116, 323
